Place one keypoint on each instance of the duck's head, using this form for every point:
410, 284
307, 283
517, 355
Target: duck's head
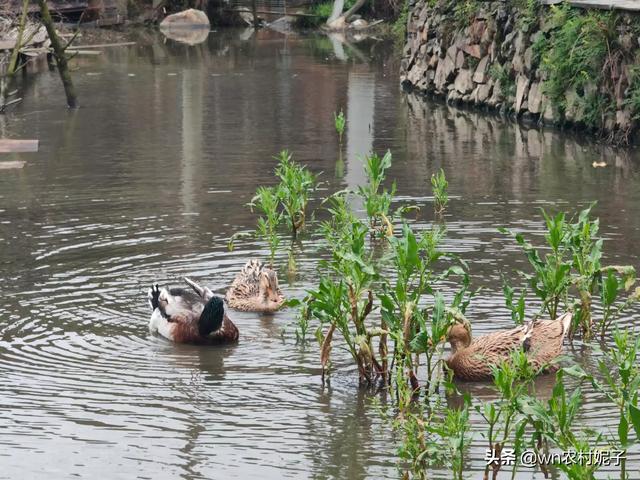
268, 285
459, 337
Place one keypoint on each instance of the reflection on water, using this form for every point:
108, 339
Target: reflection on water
150, 178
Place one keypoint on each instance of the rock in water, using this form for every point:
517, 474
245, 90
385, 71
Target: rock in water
189, 26
190, 18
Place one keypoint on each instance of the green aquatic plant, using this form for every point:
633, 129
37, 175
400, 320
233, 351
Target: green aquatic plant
266, 202
550, 280
614, 281
296, 185
413, 258
553, 424
574, 262
344, 299
377, 199
339, 122
504, 422
433, 435
415, 327
439, 186
517, 306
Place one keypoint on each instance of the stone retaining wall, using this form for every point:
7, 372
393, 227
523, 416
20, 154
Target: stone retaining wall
490, 61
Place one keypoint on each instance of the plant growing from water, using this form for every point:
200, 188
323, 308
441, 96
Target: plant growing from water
574, 261
296, 185
339, 122
377, 199
553, 424
439, 186
266, 202
512, 378
550, 280
515, 305
344, 298
620, 373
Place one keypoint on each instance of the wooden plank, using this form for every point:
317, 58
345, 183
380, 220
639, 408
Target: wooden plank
12, 164
18, 146
103, 45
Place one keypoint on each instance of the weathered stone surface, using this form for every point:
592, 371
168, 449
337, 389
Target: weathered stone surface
452, 51
522, 86
459, 59
473, 50
497, 96
480, 75
623, 119
574, 111
464, 82
444, 71
534, 100
518, 63
190, 18
528, 59
482, 92
476, 30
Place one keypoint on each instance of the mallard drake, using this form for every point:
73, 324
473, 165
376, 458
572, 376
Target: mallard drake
187, 316
472, 360
255, 289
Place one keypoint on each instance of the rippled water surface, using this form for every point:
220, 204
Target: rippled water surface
148, 180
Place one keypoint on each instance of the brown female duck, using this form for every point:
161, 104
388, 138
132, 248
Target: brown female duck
472, 360
255, 289
186, 316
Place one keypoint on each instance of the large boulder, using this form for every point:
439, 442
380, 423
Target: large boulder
190, 18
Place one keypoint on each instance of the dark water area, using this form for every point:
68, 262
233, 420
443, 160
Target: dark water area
149, 179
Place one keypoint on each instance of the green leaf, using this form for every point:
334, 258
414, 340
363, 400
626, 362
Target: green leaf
576, 371
623, 430
634, 413
610, 289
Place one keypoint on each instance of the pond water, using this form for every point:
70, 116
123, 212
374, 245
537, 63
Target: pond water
149, 179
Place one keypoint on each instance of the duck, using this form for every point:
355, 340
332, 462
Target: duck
472, 360
194, 315
255, 289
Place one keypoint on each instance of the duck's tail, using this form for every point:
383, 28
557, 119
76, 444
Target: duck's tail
204, 292
153, 295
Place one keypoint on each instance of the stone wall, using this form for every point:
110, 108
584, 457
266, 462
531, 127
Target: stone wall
489, 59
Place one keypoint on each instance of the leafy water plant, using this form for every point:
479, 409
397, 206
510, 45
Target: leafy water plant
296, 185
433, 435
550, 280
512, 378
266, 202
574, 262
413, 259
377, 201
439, 186
339, 122
344, 299
515, 306
553, 425
620, 383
